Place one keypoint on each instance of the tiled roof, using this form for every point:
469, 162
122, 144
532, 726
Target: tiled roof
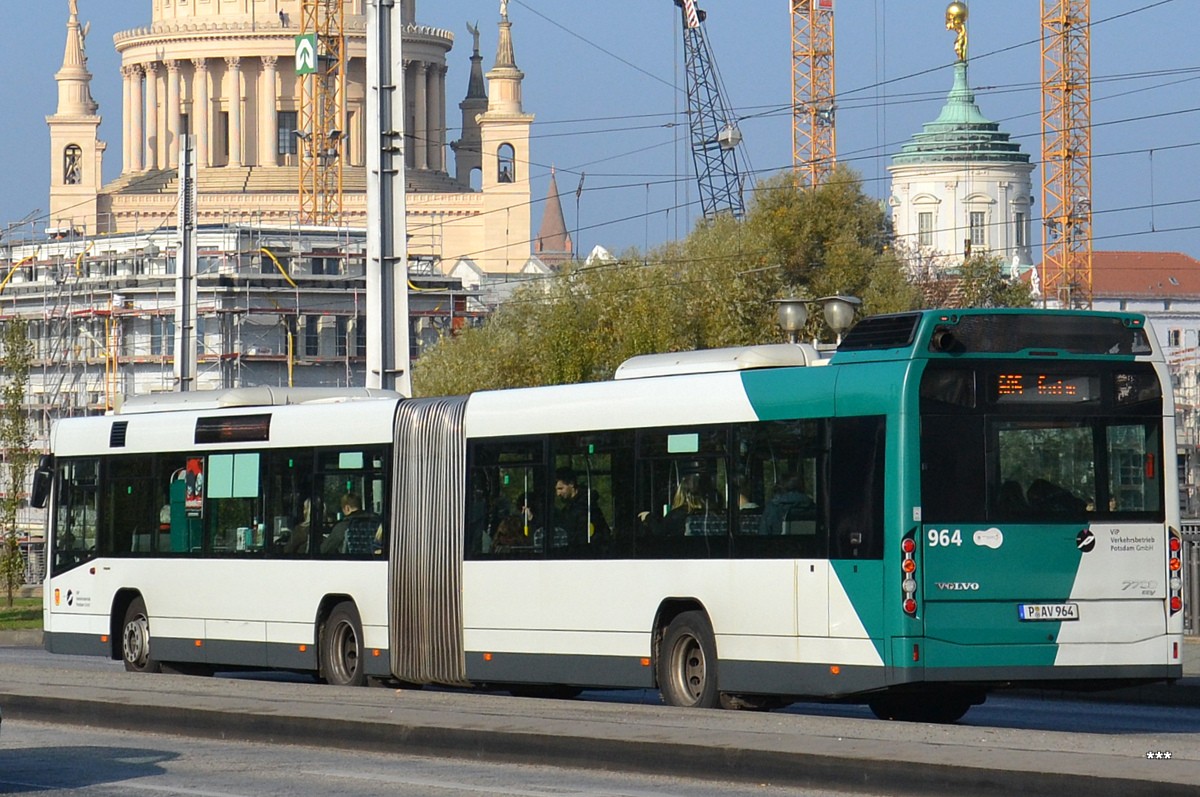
1150, 274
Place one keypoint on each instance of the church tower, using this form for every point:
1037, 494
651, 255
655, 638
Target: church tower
961, 187
504, 143
553, 244
76, 154
468, 154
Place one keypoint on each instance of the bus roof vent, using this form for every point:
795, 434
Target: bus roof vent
116, 435
895, 331
708, 361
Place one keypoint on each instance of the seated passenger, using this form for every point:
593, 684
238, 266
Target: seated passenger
355, 524
786, 505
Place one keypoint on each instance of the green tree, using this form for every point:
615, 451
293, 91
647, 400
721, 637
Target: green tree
979, 282
710, 290
15, 440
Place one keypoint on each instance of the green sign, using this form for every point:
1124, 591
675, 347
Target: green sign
306, 54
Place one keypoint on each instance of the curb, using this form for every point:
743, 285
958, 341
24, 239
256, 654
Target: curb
811, 771
28, 638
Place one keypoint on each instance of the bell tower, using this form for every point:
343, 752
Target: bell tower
76, 154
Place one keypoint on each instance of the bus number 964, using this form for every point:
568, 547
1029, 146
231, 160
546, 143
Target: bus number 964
944, 538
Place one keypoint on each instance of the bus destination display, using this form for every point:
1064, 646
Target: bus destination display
1035, 388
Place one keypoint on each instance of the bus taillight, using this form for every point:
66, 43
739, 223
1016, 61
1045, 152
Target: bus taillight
908, 568
1175, 570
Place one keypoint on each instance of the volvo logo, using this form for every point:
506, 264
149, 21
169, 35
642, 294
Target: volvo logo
958, 586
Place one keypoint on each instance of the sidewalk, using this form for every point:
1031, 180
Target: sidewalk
814, 752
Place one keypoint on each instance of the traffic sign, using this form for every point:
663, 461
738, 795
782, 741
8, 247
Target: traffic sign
306, 54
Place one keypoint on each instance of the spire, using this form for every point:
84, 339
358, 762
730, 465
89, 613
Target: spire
476, 88
74, 79
553, 244
505, 57
504, 80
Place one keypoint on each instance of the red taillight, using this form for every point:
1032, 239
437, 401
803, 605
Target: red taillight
1175, 571
908, 567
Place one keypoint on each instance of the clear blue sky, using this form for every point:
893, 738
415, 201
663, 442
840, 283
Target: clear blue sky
605, 81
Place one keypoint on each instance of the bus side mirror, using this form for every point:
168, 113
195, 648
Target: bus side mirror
43, 477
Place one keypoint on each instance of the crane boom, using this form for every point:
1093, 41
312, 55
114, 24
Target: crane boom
1067, 152
321, 72
714, 131
814, 136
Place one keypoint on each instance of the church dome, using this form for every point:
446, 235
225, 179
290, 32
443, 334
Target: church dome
960, 134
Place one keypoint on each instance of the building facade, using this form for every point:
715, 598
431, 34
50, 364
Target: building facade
224, 73
960, 187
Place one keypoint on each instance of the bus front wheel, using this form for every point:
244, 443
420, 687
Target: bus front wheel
687, 663
135, 639
341, 647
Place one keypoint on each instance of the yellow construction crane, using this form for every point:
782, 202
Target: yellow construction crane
321, 70
1067, 152
814, 139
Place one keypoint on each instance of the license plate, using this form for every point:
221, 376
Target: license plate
1048, 611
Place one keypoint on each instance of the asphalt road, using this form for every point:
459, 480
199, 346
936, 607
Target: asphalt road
83, 762
1023, 744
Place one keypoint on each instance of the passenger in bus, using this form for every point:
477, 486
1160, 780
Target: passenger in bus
579, 514
788, 505
691, 506
1010, 499
353, 519
298, 541
1046, 496
517, 532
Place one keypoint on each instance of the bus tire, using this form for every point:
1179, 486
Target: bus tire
135, 639
687, 663
342, 661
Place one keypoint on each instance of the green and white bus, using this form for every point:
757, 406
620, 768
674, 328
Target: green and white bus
953, 502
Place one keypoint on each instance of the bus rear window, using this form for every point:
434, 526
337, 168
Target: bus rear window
1045, 334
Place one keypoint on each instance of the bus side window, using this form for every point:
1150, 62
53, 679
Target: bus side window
232, 506
857, 448
75, 531
506, 513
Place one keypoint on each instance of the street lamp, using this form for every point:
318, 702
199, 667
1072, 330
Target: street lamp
791, 315
839, 313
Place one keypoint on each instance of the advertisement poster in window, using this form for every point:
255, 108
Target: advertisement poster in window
194, 478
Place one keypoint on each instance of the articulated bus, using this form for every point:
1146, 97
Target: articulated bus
951, 503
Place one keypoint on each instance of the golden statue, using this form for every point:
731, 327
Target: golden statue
956, 20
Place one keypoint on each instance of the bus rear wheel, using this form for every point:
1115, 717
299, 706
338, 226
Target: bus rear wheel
687, 663
341, 647
135, 639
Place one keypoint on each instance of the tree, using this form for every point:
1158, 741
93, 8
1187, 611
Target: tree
15, 440
710, 290
979, 282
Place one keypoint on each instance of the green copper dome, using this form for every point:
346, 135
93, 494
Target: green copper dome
960, 134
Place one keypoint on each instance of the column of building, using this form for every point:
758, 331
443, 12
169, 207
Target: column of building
155, 122
428, 136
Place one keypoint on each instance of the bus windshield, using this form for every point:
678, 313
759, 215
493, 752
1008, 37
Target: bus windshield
1003, 445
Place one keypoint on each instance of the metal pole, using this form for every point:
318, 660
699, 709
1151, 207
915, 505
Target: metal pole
185, 264
388, 361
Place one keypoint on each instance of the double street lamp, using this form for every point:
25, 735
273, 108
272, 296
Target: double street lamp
839, 311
